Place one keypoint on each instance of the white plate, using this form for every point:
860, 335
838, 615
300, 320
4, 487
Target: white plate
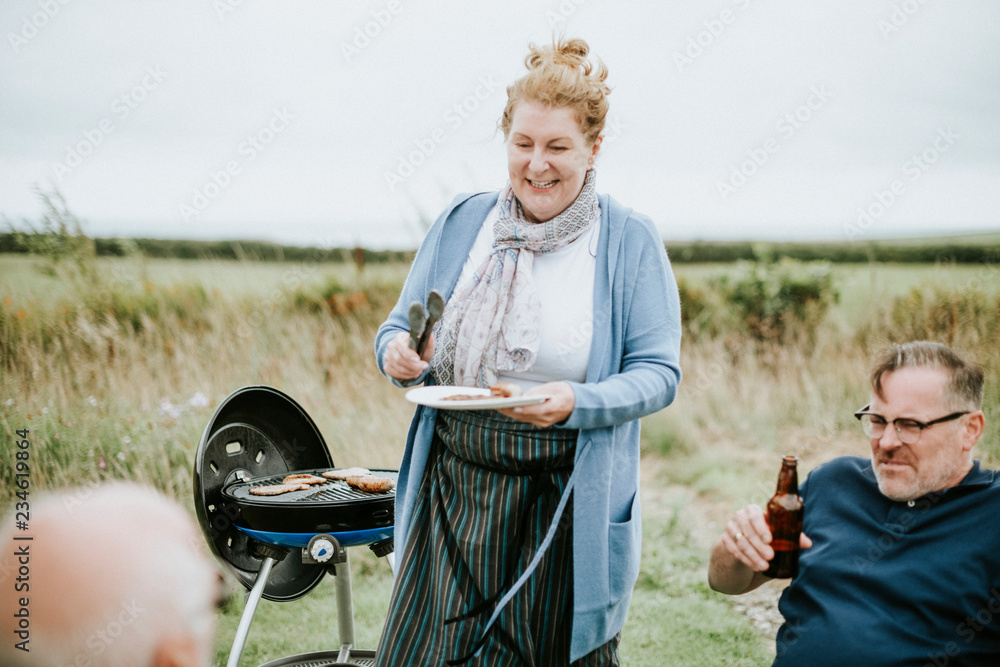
434, 397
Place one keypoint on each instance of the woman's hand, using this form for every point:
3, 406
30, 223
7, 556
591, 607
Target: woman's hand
402, 363
555, 410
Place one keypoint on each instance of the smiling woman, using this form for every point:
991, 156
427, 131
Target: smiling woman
555, 134
548, 158
549, 285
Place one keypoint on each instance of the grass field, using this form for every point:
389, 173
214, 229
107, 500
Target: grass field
117, 378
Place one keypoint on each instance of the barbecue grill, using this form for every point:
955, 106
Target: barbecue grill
279, 547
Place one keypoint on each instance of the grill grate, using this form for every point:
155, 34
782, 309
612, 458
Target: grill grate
333, 506
333, 491
339, 490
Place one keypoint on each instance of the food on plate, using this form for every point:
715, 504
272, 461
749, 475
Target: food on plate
499, 390
505, 390
344, 473
277, 489
464, 397
371, 483
303, 478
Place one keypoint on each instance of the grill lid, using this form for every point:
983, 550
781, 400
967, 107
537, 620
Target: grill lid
256, 431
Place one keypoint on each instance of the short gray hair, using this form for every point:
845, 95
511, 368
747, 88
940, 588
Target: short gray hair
158, 579
965, 386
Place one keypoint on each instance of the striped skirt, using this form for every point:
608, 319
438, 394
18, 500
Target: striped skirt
487, 497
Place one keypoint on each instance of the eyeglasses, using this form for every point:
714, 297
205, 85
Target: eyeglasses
907, 430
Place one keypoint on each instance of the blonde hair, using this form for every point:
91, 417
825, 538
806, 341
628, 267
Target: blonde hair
560, 75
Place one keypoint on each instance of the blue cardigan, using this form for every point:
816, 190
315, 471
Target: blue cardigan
633, 371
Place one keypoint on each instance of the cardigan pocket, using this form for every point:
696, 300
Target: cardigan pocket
624, 546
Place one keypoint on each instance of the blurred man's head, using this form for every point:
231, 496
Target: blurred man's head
118, 576
924, 418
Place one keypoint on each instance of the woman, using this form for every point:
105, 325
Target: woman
517, 530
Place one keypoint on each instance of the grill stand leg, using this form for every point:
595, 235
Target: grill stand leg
248, 611
345, 609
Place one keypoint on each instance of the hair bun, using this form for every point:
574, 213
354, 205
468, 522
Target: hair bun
570, 53
561, 75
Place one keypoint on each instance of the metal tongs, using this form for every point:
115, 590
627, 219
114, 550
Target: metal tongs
421, 323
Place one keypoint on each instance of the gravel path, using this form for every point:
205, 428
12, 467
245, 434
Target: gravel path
761, 607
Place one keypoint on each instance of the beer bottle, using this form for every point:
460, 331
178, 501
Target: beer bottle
784, 518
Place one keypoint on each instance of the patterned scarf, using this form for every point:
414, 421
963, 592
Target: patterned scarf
490, 325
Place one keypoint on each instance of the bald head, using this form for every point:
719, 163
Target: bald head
118, 575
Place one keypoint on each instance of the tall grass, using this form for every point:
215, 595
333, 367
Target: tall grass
119, 381
117, 375
747, 400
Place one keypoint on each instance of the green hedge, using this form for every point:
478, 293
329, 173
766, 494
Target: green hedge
904, 251
694, 252
254, 250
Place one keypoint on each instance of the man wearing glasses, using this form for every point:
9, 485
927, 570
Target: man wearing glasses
901, 552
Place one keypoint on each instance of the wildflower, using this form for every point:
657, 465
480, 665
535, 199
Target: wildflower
9, 401
199, 400
120, 456
127, 440
100, 462
45, 411
92, 400
168, 409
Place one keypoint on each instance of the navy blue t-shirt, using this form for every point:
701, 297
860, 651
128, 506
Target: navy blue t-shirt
894, 583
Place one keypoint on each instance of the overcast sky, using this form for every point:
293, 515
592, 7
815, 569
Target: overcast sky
335, 123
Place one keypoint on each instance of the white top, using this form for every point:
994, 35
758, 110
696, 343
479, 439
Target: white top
565, 283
